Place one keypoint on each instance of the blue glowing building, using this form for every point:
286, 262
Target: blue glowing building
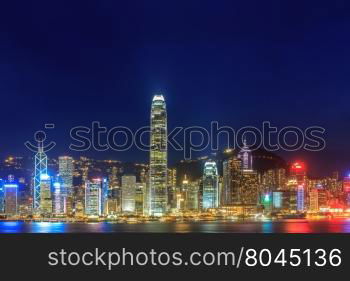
210, 186
96, 196
11, 194
40, 169
2, 197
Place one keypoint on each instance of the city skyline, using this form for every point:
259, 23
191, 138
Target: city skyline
71, 72
242, 190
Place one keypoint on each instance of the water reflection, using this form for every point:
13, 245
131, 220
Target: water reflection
11, 226
48, 227
286, 226
267, 227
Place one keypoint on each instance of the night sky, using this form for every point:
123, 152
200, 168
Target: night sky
236, 62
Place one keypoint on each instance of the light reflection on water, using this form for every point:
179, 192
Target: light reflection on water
286, 226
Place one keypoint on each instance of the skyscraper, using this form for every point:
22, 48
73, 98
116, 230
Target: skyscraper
11, 194
232, 177
246, 157
59, 199
93, 198
45, 195
298, 175
2, 197
158, 157
104, 196
40, 169
210, 186
128, 193
66, 169
139, 197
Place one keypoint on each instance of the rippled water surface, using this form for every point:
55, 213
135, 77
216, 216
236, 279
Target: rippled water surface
285, 226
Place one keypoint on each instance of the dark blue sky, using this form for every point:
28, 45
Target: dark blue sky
237, 62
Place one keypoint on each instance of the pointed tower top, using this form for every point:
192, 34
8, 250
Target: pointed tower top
158, 98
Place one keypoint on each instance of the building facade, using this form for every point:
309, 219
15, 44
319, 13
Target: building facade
158, 158
210, 186
128, 193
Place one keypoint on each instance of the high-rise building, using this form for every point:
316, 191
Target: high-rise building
246, 157
192, 196
249, 188
11, 194
40, 169
158, 157
210, 186
128, 193
314, 200
45, 195
232, 176
139, 197
59, 198
93, 197
66, 170
104, 195
172, 187
346, 189
298, 176
2, 197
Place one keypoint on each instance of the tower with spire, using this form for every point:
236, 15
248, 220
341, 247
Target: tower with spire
246, 157
40, 169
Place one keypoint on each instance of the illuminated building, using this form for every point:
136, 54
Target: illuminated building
139, 198
59, 199
181, 195
112, 206
40, 169
128, 193
187, 196
298, 173
66, 170
300, 198
298, 178
158, 157
45, 195
277, 200
104, 195
318, 199
93, 198
249, 188
314, 200
232, 175
79, 208
274, 179
267, 201
210, 186
11, 204
172, 187
346, 189
192, 197
2, 197
245, 155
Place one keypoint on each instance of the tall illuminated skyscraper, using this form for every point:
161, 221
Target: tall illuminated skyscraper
158, 157
93, 197
246, 157
232, 177
59, 199
210, 186
2, 197
66, 169
128, 193
11, 194
40, 169
45, 195
298, 175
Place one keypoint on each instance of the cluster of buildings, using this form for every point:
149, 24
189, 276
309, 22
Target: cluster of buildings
230, 186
